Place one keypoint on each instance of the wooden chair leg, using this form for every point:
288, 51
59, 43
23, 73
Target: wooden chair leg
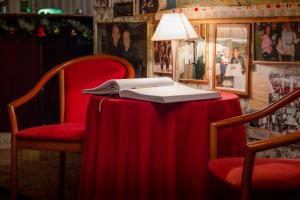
14, 171
62, 170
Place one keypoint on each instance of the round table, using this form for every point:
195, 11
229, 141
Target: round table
148, 151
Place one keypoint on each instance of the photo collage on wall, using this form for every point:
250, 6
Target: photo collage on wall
286, 119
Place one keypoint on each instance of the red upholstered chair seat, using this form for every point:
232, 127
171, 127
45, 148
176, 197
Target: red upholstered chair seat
71, 132
268, 174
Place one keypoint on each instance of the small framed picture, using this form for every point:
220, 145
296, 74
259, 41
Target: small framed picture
101, 3
163, 57
24, 6
148, 6
123, 9
231, 58
277, 41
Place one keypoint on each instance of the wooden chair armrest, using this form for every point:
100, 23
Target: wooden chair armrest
274, 142
213, 135
28, 96
258, 114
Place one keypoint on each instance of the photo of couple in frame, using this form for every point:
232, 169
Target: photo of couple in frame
125, 40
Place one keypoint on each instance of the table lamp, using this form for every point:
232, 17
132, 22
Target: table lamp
174, 27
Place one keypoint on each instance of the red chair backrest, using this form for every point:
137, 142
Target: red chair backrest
85, 74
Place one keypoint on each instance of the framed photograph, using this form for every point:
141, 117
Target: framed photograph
231, 58
3, 6
163, 58
192, 57
101, 3
166, 4
127, 40
123, 9
277, 41
24, 5
148, 6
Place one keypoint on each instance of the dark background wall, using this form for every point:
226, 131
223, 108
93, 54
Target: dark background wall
25, 57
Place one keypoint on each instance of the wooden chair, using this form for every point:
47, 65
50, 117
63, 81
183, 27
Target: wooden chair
74, 76
261, 178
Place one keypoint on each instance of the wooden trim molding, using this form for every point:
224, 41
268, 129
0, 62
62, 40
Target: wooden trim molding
274, 63
62, 95
75, 147
196, 81
244, 20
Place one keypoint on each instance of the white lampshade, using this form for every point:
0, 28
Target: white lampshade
174, 26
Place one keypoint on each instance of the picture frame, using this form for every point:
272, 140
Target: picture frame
163, 58
192, 65
24, 5
124, 39
276, 42
3, 6
231, 58
166, 4
147, 6
123, 9
101, 3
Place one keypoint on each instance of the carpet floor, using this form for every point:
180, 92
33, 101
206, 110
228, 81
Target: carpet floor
38, 178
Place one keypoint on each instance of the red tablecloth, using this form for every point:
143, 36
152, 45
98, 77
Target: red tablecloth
149, 151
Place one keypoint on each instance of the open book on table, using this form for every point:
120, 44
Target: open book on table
161, 90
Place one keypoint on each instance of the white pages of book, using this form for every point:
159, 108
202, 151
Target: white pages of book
114, 86
169, 94
161, 90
